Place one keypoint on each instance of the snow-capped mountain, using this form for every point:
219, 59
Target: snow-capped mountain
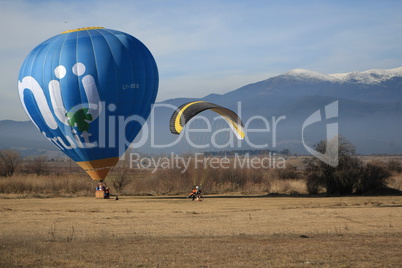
369, 114
374, 76
369, 108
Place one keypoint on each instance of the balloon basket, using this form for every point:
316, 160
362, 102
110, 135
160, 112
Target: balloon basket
99, 194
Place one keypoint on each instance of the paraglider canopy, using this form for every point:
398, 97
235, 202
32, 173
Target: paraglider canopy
187, 111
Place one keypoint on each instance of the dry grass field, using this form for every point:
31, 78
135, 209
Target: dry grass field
221, 231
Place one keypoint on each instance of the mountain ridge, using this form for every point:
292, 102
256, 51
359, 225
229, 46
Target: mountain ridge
372, 76
369, 112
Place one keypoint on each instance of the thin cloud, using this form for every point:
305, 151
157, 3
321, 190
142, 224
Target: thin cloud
204, 47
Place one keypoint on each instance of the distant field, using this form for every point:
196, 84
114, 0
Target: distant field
221, 231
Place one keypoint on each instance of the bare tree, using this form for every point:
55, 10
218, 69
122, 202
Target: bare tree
37, 165
351, 175
341, 179
121, 176
9, 160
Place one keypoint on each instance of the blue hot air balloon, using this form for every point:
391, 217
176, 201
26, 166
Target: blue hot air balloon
89, 91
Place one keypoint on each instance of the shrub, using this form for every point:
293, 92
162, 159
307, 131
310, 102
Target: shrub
349, 176
288, 173
394, 166
314, 183
373, 178
338, 180
346, 175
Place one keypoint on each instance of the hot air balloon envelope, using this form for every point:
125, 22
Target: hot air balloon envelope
89, 91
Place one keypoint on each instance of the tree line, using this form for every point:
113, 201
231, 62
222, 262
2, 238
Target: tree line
10, 160
351, 175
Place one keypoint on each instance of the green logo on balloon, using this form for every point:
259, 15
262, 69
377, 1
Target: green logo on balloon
79, 119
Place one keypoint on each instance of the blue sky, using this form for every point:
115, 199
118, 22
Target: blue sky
213, 46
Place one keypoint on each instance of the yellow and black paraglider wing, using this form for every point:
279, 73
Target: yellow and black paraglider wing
233, 121
187, 111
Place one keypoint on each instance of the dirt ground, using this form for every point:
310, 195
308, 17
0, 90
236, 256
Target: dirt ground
221, 231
